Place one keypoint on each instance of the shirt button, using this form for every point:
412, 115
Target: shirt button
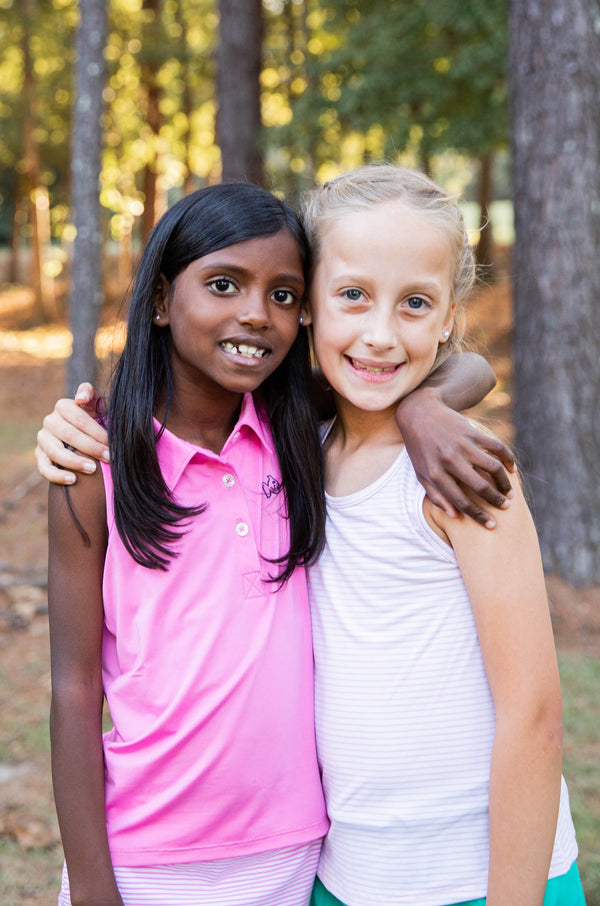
228, 480
242, 529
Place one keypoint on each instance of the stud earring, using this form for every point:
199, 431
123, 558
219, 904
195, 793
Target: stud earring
158, 317
301, 320
445, 335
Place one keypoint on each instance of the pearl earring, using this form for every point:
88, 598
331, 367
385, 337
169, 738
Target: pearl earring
445, 335
301, 320
158, 317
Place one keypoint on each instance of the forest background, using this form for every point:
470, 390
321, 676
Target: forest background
110, 111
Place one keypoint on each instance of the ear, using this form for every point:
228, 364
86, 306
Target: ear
305, 314
161, 303
448, 324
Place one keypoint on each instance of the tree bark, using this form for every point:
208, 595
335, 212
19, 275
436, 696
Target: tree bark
484, 246
151, 89
554, 79
86, 280
43, 308
239, 59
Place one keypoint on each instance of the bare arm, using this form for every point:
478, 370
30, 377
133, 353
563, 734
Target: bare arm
451, 456
72, 423
504, 577
76, 622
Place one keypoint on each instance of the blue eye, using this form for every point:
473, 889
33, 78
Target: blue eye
284, 297
415, 303
353, 295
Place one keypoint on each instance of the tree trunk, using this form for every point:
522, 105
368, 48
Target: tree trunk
239, 58
555, 92
484, 246
86, 281
186, 97
31, 171
149, 72
15, 235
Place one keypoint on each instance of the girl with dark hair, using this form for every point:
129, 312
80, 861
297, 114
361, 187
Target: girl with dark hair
185, 606
177, 591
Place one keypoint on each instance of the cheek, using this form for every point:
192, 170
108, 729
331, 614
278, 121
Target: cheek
328, 337
287, 329
423, 343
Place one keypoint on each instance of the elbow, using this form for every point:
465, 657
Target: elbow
75, 701
548, 718
489, 379
549, 735
536, 729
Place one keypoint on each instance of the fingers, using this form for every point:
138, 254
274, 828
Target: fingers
88, 399
437, 497
495, 478
478, 482
73, 426
489, 457
53, 457
49, 471
452, 498
499, 451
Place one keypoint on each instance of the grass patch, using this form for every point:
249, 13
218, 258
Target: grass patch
29, 877
580, 677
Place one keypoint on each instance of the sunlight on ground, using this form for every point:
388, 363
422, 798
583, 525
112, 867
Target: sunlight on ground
54, 342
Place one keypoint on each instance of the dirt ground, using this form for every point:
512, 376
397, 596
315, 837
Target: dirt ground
30, 382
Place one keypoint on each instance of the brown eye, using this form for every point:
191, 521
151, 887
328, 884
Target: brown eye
223, 286
283, 297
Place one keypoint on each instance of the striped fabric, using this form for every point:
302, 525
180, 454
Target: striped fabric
281, 878
404, 714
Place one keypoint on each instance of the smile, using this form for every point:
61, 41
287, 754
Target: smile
244, 350
372, 372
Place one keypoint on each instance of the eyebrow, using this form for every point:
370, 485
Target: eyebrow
413, 285
236, 269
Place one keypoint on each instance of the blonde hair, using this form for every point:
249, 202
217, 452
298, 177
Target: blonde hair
377, 183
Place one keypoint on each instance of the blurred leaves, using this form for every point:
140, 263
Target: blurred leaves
343, 82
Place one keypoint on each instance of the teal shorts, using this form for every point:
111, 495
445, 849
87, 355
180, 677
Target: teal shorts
565, 890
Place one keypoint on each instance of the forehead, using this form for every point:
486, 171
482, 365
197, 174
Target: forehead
277, 253
389, 232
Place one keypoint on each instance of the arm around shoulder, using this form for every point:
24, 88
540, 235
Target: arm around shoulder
461, 467
69, 431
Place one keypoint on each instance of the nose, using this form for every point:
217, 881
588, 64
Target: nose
254, 310
379, 331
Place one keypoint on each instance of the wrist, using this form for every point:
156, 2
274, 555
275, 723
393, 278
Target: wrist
415, 401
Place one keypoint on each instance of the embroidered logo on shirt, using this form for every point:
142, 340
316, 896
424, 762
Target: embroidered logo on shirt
253, 585
271, 486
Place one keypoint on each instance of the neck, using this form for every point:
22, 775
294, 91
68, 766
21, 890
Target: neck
204, 422
360, 427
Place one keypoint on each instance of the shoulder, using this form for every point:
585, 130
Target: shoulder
514, 521
77, 514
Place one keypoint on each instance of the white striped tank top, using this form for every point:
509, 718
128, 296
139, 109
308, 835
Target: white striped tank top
404, 714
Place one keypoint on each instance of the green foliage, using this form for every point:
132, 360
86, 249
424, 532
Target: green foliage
580, 677
343, 82
44, 28
175, 51
382, 79
175, 46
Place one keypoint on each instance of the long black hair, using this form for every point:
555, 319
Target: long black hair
147, 517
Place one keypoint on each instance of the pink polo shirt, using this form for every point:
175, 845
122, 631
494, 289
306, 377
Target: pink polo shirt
208, 670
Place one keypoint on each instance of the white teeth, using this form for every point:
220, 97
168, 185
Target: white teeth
252, 352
